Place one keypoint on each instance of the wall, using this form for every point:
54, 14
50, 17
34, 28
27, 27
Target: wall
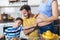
4, 2
15, 12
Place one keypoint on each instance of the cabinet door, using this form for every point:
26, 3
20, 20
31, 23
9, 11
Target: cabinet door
13, 0
4, 3
33, 2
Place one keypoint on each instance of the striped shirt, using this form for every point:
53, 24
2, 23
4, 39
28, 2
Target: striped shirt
11, 32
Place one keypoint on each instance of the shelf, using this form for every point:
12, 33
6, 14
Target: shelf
20, 6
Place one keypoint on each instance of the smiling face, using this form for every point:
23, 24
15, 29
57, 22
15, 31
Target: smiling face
18, 22
25, 13
25, 10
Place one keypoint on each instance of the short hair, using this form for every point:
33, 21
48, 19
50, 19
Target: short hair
18, 18
26, 7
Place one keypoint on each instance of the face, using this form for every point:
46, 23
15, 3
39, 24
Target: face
18, 22
25, 13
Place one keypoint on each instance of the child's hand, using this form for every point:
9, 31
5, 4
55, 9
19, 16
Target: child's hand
16, 24
1, 36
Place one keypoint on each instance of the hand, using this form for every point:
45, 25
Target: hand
38, 20
29, 27
15, 24
35, 25
28, 31
1, 36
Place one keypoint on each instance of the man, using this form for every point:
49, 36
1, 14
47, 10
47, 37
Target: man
29, 22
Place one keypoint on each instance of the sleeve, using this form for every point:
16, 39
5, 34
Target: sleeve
4, 33
20, 28
4, 30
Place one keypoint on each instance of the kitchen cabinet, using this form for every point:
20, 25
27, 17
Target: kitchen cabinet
24, 0
37, 2
33, 2
4, 3
29, 2
13, 0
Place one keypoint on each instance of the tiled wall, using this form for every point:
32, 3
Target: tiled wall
15, 12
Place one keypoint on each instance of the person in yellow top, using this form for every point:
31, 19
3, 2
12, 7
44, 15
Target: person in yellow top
29, 22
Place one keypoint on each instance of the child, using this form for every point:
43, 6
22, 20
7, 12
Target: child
14, 31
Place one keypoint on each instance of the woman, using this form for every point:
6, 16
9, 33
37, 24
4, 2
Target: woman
48, 12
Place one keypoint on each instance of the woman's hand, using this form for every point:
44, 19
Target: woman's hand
38, 20
41, 18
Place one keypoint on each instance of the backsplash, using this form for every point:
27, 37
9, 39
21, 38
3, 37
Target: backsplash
15, 12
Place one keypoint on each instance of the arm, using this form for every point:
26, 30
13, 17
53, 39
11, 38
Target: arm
35, 15
28, 31
54, 12
29, 27
35, 24
1, 36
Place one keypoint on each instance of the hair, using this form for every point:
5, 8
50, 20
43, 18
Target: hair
26, 7
18, 18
